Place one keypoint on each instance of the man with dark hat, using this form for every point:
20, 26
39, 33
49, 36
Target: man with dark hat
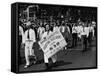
29, 39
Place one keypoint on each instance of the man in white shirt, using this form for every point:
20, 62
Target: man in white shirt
91, 33
21, 36
55, 27
67, 36
62, 29
21, 33
74, 35
94, 26
29, 39
41, 31
54, 57
85, 35
79, 30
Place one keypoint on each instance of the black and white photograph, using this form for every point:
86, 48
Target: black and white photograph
50, 37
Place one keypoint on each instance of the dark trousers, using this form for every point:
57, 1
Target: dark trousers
84, 42
74, 35
95, 32
90, 38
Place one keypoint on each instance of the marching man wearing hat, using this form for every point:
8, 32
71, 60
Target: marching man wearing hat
85, 35
29, 39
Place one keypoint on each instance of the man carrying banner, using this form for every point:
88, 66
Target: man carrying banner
54, 57
51, 43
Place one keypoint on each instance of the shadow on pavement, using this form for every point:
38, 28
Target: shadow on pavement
61, 63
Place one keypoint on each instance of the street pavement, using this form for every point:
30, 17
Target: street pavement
66, 59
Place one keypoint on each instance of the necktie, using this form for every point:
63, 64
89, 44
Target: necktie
28, 35
83, 29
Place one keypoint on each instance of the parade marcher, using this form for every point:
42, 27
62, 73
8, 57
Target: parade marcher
67, 27
74, 35
94, 26
55, 27
79, 30
54, 57
85, 35
29, 39
21, 36
67, 36
62, 28
40, 31
91, 33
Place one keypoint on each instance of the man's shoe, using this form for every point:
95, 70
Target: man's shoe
26, 66
48, 67
35, 62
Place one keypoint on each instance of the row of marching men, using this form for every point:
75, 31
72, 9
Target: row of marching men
85, 32
28, 37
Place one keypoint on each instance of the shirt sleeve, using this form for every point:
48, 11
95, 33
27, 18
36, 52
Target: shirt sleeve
23, 38
34, 36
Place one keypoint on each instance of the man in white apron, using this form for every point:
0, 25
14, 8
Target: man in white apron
29, 39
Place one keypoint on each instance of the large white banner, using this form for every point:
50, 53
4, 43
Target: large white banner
53, 43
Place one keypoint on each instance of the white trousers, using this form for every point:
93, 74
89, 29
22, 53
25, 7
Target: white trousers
28, 51
46, 59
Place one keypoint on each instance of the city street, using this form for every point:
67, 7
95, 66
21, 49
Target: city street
67, 59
